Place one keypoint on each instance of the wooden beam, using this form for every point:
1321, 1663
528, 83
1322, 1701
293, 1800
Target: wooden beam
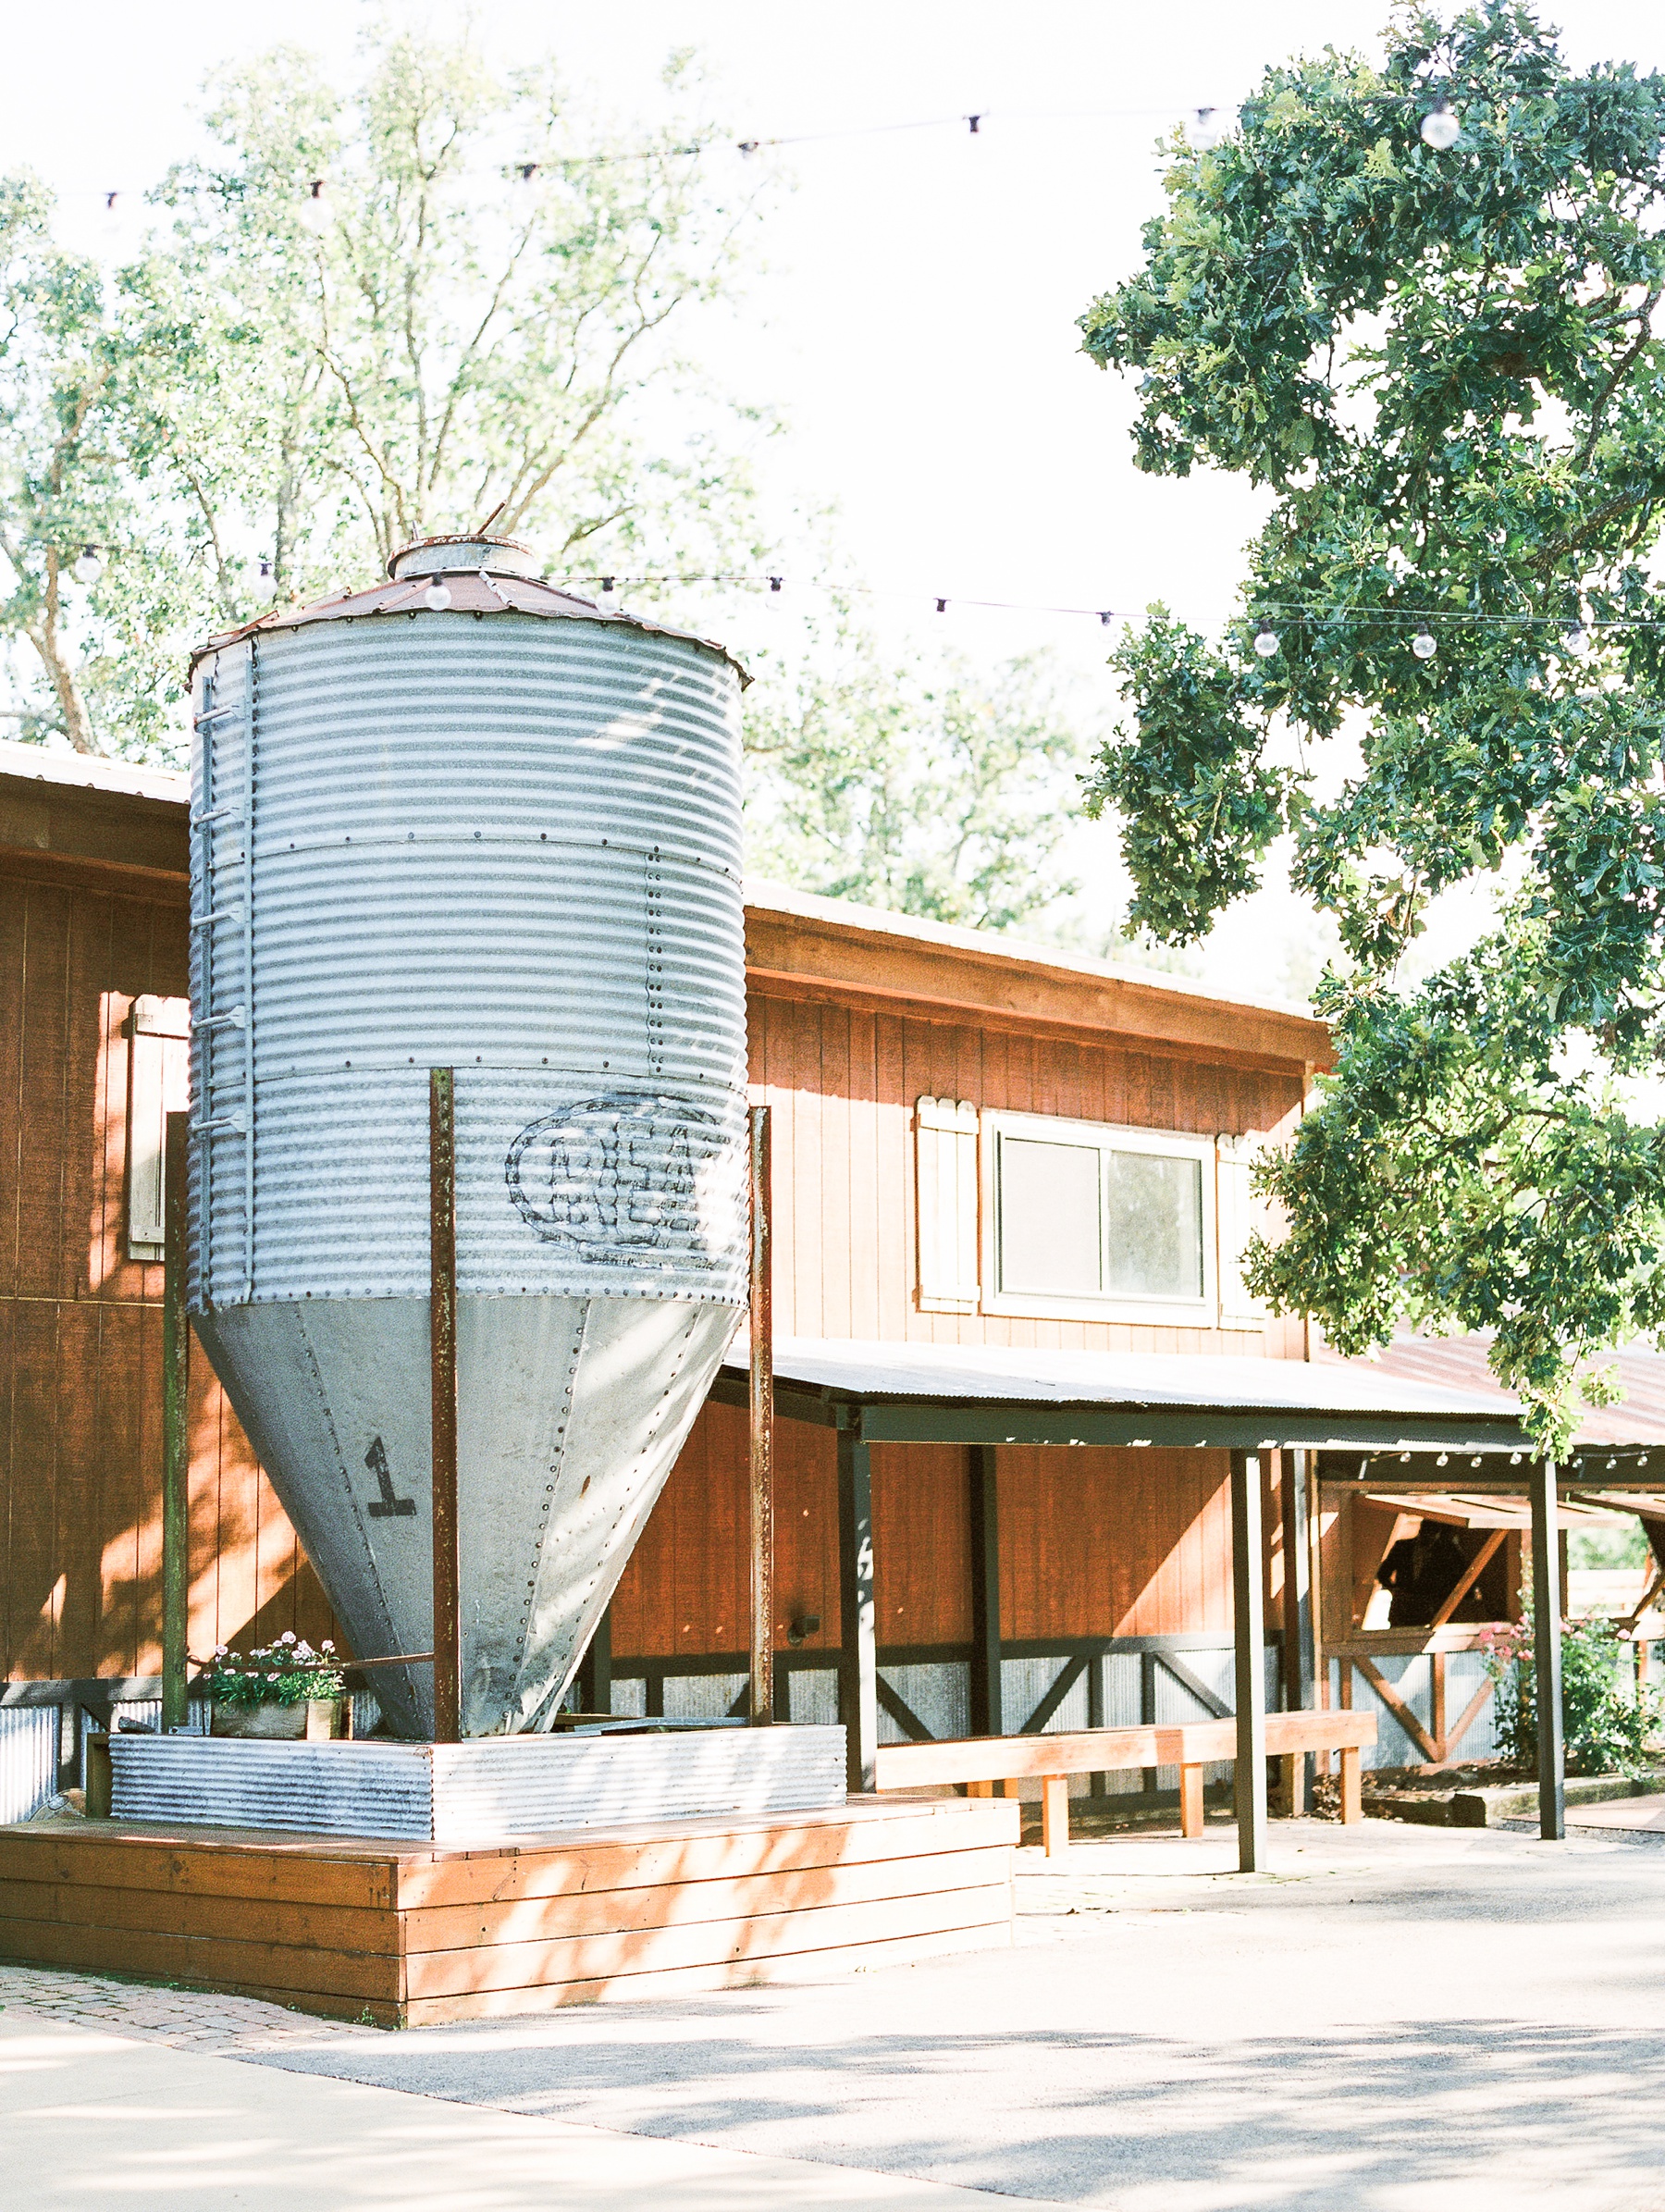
1248, 1570
1627, 1625
1546, 1637
1400, 1711
761, 1461
858, 1653
1086, 1751
442, 1365
1468, 1716
987, 1710
1471, 1575
175, 1431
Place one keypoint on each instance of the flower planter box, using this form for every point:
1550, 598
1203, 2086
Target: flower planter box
316, 1720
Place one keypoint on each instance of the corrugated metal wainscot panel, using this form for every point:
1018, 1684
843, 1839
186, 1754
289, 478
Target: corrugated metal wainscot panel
481, 1792
29, 1759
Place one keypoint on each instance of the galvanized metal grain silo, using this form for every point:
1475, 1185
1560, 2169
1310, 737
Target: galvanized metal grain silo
464, 819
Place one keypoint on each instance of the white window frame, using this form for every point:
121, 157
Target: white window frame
1105, 1136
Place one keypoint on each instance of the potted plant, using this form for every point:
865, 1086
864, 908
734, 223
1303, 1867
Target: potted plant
284, 1689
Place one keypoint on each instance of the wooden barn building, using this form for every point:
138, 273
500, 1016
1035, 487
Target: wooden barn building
1015, 1353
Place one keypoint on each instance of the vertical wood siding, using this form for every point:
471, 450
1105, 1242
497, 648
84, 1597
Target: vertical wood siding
1091, 1543
80, 1325
844, 1083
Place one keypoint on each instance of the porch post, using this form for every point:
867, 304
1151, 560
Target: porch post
1299, 1649
986, 1715
1249, 1624
859, 1652
595, 1674
1546, 1630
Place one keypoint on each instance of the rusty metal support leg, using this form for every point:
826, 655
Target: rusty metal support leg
762, 1425
176, 1433
442, 1359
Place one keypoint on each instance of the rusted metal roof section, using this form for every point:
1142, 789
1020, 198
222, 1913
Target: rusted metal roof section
1462, 1363
477, 589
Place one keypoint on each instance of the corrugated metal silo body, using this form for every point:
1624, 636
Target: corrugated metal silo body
508, 844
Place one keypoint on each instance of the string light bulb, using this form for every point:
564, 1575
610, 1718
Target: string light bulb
314, 208
1422, 645
436, 597
1206, 132
1575, 639
942, 606
1265, 639
265, 581
777, 583
88, 566
607, 598
1441, 127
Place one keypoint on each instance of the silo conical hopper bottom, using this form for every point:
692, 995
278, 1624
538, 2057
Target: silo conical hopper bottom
570, 1415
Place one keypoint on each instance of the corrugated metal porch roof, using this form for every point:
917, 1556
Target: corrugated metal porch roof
996, 1394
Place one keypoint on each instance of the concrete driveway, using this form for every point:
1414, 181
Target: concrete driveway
1394, 2017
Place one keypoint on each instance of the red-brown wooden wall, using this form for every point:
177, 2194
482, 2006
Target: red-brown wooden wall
1092, 1542
842, 1084
81, 1327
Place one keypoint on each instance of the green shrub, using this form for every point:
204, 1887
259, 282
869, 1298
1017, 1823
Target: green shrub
1607, 1718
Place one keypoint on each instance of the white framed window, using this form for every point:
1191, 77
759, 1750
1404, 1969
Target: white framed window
946, 1204
1084, 1221
158, 1033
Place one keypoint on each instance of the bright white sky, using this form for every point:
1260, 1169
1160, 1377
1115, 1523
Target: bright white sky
916, 321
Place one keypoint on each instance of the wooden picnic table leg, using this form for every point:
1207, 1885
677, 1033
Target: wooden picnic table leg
1353, 1802
1191, 1800
1055, 1815
979, 1790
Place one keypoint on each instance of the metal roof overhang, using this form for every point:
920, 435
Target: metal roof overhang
982, 1395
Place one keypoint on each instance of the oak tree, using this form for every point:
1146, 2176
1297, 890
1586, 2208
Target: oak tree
1418, 304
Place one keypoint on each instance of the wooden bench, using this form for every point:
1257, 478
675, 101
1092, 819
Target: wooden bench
985, 1763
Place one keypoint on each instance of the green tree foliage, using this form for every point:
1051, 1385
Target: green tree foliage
924, 787
1609, 1722
1443, 367
62, 485
476, 316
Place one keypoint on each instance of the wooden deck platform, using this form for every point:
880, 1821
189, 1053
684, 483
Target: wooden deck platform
406, 1934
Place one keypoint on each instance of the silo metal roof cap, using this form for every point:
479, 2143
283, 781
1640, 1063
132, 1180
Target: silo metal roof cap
486, 575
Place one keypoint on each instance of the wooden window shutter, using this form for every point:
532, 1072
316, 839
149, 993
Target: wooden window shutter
1242, 1214
945, 1153
159, 1084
